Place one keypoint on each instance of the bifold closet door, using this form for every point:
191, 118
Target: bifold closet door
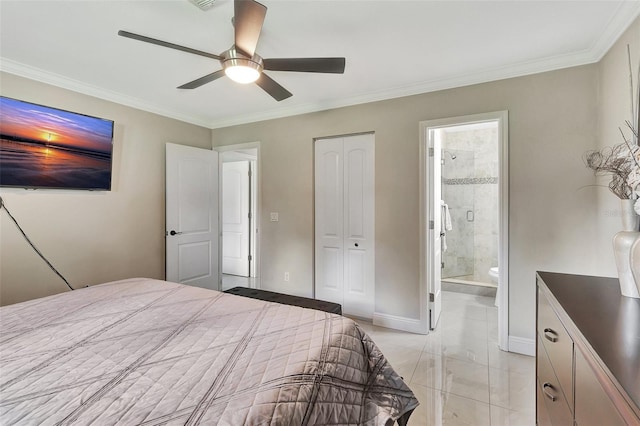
329, 211
344, 215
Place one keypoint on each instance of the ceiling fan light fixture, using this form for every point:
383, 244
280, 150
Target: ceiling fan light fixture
243, 74
241, 69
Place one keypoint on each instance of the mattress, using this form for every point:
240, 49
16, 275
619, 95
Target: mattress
150, 352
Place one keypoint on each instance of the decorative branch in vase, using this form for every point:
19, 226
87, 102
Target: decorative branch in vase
622, 163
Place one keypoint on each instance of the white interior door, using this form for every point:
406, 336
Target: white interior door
344, 213
235, 218
253, 227
435, 227
329, 212
359, 247
192, 216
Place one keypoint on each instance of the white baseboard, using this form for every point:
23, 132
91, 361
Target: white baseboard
518, 345
523, 346
400, 323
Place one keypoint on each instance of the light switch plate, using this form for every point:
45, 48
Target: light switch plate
274, 216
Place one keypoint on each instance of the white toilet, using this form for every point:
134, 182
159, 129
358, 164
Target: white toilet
494, 274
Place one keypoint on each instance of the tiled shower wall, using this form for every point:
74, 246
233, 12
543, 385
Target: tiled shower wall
470, 188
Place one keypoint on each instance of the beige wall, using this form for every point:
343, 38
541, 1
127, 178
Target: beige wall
92, 237
552, 121
614, 109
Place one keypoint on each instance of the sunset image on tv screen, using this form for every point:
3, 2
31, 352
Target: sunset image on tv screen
44, 147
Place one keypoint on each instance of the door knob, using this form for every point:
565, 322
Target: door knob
174, 232
356, 244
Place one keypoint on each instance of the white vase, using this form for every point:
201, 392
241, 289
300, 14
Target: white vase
622, 243
627, 261
634, 259
630, 220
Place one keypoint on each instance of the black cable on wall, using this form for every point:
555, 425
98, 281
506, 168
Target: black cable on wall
4, 206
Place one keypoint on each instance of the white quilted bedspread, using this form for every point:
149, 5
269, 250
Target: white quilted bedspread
144, 351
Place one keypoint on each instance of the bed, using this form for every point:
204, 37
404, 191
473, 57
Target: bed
149, 352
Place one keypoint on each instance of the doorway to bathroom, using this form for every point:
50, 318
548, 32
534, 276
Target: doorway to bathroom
464, 188
469, 185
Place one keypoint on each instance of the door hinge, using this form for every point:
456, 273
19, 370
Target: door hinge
431, 152
250, 258
431, 224
432, 297
250, 173
441, 265
249, 215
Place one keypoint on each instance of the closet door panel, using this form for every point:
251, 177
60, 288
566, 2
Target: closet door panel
355, 270
329, 230
354, 193
359, 225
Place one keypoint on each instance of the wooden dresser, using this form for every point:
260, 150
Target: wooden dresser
588, 352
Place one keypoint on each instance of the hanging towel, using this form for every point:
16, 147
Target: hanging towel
445, 222
446, 217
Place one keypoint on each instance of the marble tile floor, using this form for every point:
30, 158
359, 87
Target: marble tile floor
457, 371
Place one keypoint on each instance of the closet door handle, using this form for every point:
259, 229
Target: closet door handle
546, 387
550, 335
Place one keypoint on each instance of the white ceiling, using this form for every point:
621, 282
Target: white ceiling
393, 48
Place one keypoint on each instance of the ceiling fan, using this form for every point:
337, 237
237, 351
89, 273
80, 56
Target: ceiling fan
241, 63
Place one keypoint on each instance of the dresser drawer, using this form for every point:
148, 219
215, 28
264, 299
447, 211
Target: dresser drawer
558, 345
542, 415
550, 391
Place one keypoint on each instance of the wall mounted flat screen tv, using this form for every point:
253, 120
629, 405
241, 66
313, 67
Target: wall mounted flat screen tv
44, 147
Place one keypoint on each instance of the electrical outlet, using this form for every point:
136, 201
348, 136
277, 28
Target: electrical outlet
286, 276
274, 216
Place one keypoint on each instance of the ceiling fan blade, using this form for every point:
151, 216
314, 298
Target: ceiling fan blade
203, 80
270, 86
324, 65
166, 44
248, 18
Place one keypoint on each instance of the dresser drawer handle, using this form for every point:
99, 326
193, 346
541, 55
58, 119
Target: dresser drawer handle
550, 335
545, 388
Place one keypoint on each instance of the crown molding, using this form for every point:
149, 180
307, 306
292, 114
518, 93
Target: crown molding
626, 13
43, 76
484, 76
